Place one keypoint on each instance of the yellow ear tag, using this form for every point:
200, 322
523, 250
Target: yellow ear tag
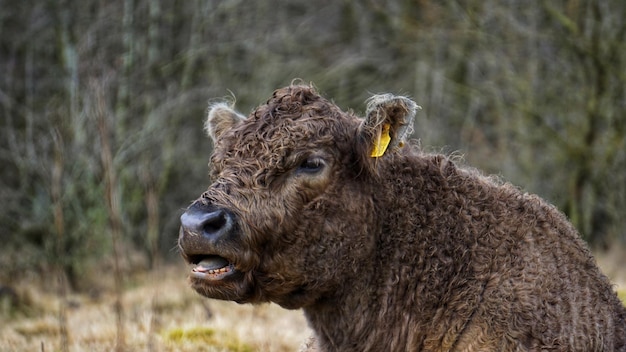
381, 143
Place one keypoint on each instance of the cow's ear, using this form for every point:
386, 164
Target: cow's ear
388, 122
221, 117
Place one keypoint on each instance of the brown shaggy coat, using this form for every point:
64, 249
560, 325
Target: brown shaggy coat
407, 251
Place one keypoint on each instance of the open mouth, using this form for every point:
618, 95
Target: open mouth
211, 267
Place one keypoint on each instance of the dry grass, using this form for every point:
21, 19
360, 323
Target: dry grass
161, 314
613, 264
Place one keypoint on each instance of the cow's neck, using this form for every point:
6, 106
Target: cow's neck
356, 319
397, 304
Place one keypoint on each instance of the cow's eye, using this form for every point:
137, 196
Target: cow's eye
311, 165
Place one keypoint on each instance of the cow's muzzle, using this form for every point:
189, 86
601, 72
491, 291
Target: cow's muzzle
205, 231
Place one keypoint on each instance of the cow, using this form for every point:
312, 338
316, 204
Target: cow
384, 246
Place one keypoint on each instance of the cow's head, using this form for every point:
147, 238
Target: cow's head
290, 212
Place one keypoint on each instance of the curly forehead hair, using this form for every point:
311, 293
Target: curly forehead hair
295, 102
295, 117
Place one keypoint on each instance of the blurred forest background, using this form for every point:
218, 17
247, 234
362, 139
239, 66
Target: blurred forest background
102, 105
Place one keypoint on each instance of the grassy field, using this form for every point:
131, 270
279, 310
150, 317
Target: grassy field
161, 313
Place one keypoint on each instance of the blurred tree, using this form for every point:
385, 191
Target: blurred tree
593, 36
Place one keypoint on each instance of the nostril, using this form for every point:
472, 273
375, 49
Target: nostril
211, 224
215, 223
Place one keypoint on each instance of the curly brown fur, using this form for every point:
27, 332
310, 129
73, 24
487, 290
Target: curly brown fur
406, 252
